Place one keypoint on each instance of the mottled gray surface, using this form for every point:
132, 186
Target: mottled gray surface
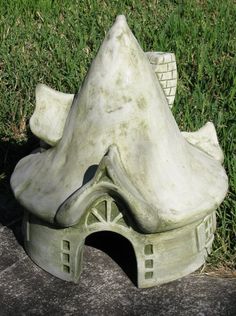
104, 289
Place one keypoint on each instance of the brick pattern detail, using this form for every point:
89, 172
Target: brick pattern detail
164, 65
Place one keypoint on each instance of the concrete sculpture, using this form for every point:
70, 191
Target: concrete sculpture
119, 163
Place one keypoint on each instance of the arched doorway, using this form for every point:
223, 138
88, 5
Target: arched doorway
118, 248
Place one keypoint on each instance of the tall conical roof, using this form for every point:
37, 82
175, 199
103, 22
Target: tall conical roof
121, 102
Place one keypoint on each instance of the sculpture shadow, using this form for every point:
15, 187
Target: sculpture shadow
11, 212
89, 174
118, 248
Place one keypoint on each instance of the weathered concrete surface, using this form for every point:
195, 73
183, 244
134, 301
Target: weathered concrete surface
104, 289
10, 250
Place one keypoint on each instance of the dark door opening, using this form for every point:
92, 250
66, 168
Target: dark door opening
118, 248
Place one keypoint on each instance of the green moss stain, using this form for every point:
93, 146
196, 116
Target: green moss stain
126, 99
119, 80
142, 103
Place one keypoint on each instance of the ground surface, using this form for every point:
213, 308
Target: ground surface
104, 288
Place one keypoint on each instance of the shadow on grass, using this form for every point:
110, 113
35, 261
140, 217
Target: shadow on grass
11, 212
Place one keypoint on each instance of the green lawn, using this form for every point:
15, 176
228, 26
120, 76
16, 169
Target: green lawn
53, 42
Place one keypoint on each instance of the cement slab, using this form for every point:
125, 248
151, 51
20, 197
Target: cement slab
10, 249
104, 289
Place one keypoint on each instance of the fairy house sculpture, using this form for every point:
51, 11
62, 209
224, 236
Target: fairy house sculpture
117, 162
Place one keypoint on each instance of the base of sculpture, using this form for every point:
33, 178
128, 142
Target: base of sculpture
160, 257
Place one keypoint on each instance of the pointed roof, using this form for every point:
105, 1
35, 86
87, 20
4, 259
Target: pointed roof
121, 102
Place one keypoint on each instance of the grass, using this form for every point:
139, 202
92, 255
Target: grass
53, 42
